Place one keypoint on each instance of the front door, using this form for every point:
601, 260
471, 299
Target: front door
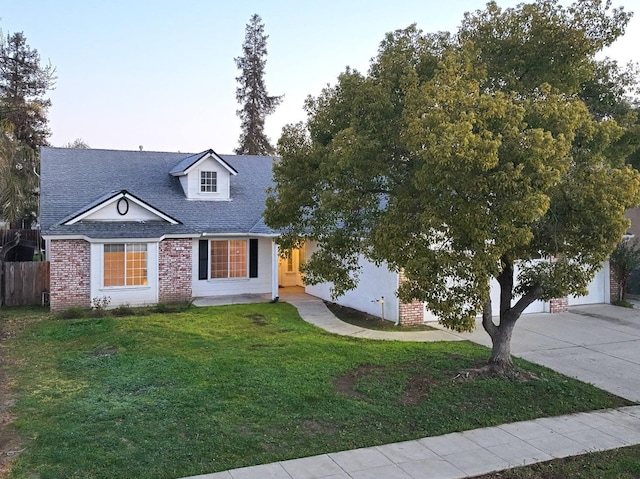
289, 269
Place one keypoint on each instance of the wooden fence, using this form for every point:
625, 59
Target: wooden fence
24, 283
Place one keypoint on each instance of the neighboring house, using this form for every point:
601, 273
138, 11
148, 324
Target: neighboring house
145, 227
633, 215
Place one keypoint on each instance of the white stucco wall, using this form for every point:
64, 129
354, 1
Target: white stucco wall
129, 295
228, 286
193, 182
375, 282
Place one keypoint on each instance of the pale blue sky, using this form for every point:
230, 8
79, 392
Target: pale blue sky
161, 73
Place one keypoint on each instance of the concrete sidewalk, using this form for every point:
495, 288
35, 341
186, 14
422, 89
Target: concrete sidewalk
547, 339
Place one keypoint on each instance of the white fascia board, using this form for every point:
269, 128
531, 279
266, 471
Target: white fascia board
248, 235
117, 240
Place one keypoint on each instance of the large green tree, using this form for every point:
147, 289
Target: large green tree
24, 82
461, 158
252, 91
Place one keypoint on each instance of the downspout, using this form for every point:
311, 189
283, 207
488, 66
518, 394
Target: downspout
274, 270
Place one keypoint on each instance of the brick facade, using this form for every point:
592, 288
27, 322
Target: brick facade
174, 270
70, 274
559, 305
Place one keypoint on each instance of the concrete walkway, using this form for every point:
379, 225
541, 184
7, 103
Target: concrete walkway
547, 339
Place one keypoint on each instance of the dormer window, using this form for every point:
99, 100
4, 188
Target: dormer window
208, 182
205, 177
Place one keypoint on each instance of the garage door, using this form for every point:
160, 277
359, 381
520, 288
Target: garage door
597, 289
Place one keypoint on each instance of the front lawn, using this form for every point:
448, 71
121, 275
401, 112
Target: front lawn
209, 389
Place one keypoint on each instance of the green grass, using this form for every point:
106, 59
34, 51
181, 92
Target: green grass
210, 389
621, 463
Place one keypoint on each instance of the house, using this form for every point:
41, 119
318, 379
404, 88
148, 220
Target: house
144, 227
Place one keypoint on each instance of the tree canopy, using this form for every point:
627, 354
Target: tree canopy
458, 157
252, 92
77, 143
23, 125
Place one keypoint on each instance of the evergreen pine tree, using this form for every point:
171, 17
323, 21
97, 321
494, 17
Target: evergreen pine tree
252, 92
23, 126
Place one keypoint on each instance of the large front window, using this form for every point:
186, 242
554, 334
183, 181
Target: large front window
125, 264
229, 259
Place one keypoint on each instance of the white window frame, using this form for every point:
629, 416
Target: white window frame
126, 247
246, 253
208, 182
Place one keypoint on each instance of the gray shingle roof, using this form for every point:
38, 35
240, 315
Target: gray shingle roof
72, 179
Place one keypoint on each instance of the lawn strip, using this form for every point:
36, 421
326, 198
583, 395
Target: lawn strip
623, 463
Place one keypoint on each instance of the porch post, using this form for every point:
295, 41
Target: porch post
274, 269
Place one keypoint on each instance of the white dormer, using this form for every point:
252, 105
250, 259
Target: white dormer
205, 177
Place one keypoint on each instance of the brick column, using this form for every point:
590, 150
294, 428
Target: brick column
614, 286
410, 313
70, 269
559, 305
175, 269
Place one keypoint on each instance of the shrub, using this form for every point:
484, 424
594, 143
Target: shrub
124, 310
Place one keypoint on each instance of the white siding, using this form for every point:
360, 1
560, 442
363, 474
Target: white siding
375, 282
229, 286
130, 295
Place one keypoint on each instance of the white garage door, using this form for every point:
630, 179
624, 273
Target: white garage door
597, 289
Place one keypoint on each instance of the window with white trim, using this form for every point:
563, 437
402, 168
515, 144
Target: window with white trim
208, 182
125, 264
228, 259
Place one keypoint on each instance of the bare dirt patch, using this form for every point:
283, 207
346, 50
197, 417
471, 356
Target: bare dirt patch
257, 318
416, 389
316, 428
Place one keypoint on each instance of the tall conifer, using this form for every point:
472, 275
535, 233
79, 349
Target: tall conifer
252, 92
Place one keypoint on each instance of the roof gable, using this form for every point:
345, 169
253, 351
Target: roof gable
119, 206
191, 162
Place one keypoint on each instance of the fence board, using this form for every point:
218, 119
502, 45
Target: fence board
24, 282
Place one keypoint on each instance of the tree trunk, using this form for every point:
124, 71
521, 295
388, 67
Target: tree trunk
500, 334
501, 351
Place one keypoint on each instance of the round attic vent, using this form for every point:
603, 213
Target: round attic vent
122, 206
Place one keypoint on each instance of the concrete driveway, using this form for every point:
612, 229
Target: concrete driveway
598, 344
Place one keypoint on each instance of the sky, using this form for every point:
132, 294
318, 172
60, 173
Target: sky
161, 74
